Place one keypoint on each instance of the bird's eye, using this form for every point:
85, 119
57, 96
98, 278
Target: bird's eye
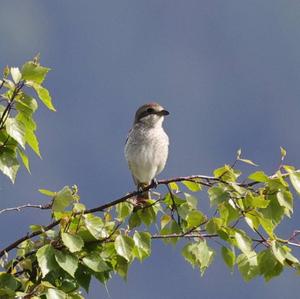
150, 110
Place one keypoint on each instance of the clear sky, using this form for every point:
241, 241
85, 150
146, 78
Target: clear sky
228, 72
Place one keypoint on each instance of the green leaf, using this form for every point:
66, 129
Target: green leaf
142, 243
295, 180
278, 252
83, 277
16, 130
165, 219
32, 141
62, 199
228, 257
16, 74
198, 254
24, 159
147, 215
72, 242
258, 176
9, 281
34, 72
26, 105
285, 199
9, 165
124, 246
191, 200
248, 265
217, 195
95, 262
274, 211
195, 218
122, 267
247, 161
243, 242
46, 259
283, 153
95, 226
67, 261
55, 294
269, 267
173, 186
134, 220
44, 95
256, 201
193, 186
47, 192
124, 209
227, 173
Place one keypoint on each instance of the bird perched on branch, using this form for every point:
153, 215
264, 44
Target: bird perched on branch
146, 148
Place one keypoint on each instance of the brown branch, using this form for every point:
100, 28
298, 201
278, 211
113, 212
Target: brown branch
207, 180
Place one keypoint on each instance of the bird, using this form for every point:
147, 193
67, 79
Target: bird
147, 146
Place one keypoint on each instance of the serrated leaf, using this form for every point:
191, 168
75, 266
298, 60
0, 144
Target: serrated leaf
62, 199
142, 243
295, 180
16, 74
46, 259
217, 195
194, 219
9, 165
16, 130
72, 242
191, 200
55, 294
26, 105
34, 72
95, 226
44, 95
124, 246
95, 262
165, 219
32, 141
198, 254
258, 176
124, 209
228, 257
134, 220
193, 186
243, 242
24, 159
268, 265
248, 265
285, 199
67, 261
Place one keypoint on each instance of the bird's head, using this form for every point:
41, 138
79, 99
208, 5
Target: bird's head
151, 115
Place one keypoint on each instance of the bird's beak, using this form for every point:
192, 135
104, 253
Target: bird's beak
163, 112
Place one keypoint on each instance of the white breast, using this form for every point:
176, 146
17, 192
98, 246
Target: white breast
146, 152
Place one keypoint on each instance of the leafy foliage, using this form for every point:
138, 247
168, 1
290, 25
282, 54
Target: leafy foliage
17, 108
59, 260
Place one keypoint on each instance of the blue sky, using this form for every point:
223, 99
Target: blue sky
228, 72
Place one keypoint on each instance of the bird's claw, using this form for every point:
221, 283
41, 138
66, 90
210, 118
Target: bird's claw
154, 183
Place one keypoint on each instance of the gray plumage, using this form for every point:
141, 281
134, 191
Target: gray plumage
146, 148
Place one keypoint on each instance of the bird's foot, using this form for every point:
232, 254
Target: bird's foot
154, 183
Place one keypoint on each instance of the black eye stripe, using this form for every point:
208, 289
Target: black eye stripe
150, 110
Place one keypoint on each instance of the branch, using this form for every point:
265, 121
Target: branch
200, 179
28, 205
